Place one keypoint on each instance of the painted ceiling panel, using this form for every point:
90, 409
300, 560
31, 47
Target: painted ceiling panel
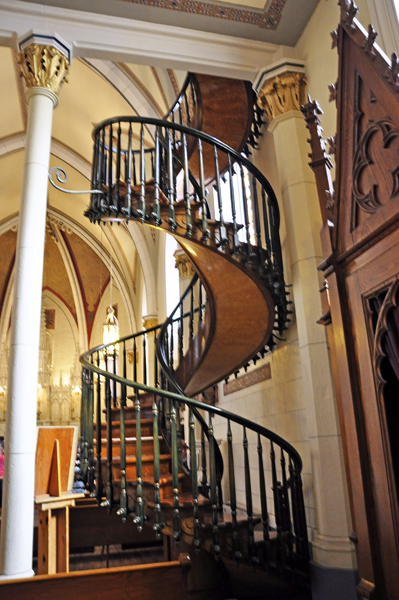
8, 243
55, 276
92, 274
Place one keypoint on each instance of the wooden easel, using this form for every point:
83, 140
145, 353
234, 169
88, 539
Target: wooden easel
54, 476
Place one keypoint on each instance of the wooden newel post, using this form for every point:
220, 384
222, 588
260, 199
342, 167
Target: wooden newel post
55, 461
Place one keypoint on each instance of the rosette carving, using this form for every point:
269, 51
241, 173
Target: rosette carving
369, 200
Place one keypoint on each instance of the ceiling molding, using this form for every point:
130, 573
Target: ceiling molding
267, 18
119, 39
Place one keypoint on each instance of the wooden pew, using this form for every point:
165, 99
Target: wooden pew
160, 581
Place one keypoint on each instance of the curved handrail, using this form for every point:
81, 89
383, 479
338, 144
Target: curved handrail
205, 138
290, 521
250, 425
262, 252
183, 97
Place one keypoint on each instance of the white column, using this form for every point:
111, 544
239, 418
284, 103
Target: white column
19, 470
281, 98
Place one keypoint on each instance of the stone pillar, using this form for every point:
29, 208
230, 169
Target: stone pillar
281, 98
148, 322
44, 62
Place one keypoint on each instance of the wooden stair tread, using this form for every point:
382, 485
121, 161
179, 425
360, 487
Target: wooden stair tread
133, 459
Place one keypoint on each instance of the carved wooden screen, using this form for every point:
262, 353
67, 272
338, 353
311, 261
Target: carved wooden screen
360, 239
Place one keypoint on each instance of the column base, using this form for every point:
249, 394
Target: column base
24, 575
333, 552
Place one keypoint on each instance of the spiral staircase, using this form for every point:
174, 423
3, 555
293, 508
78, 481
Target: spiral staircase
155, 459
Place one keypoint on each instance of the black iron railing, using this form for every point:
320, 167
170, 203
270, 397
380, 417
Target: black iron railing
279, 501
186, 110
169, 186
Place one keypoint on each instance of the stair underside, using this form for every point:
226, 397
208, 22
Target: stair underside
239, 304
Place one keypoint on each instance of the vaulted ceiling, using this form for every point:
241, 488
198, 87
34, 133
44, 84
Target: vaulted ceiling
96, 90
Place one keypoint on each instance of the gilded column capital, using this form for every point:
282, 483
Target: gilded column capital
184, 264
282, 94
44, 61
150, 321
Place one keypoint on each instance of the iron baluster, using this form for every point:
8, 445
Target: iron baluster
156, 375
175, 473
109, 493
276, 499
263, 498
110, 171
145, 359
118, 169
302, 528
167, 352
255, 207
193, 94
294, 504
171, 210
181, 334
134, 360
158, 524
248, 499
174, 131
266, 226
128, 176
84, 443
156, 214
233, 500
192, 313
91, 431
200, 305
139, 518
193, 467
189, 226
204, 207
213, 490
141, 210
223, 241
134, 169
123, 386
95, 172
103, 168
204, 479
171, 349
99, 478
188, 113
180, 114
236, 243
123, 500
246, 219
114, 388
286, 513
